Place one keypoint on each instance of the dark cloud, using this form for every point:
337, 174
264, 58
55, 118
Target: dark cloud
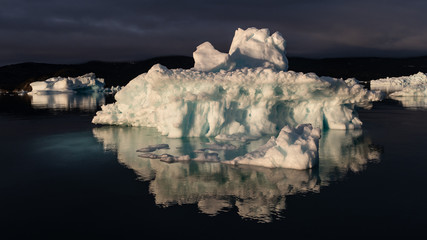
76, 31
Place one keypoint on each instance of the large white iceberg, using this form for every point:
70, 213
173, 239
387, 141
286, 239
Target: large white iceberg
296, 148
239, 104
86, 83
413, 85
250, 101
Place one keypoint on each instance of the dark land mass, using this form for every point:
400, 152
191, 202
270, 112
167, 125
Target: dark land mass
19, 76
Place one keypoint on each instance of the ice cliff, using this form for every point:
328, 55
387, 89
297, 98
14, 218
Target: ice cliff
243, 94
87, 82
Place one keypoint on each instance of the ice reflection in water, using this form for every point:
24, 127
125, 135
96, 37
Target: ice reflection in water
68, 101
413, 102
258, 193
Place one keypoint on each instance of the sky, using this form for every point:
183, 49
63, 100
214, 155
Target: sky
64, 31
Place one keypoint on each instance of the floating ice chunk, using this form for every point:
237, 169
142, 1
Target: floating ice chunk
207, 58
149, 155
256, 48
206, 156
87, 82
245, 103
152, 148
220, 146
393, 84
165, 157
296, 148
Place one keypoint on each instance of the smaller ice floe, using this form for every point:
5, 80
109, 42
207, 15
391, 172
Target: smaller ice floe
295, 148
202, 155
409, 84
166, 157
220, 146
85, 83
206, 156
152, 148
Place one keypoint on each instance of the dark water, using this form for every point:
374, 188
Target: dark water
62, 177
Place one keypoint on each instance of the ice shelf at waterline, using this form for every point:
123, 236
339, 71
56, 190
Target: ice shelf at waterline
87, 83
236, 102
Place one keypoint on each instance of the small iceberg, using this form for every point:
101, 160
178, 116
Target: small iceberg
413, 85
86, 83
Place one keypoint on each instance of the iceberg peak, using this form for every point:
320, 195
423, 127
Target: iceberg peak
250, 48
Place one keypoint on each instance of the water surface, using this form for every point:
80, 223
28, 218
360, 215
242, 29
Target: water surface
62, 177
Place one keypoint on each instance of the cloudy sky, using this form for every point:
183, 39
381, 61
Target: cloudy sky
65, 31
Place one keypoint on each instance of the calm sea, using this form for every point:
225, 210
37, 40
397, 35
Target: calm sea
63, 177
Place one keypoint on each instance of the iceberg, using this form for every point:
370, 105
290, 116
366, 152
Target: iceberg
413, 85
296, 148
85, 83
244, 102
240, 95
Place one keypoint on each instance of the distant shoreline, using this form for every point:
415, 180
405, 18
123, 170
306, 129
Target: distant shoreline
17, 77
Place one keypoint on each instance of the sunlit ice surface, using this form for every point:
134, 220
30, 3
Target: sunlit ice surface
258, 193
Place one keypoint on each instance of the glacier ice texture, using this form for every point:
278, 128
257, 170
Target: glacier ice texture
295, 148
248, 102
87, 83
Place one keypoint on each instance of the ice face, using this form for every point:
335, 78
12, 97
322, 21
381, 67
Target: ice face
295, 148
256, 192
243, 103
87, 82
412, 85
